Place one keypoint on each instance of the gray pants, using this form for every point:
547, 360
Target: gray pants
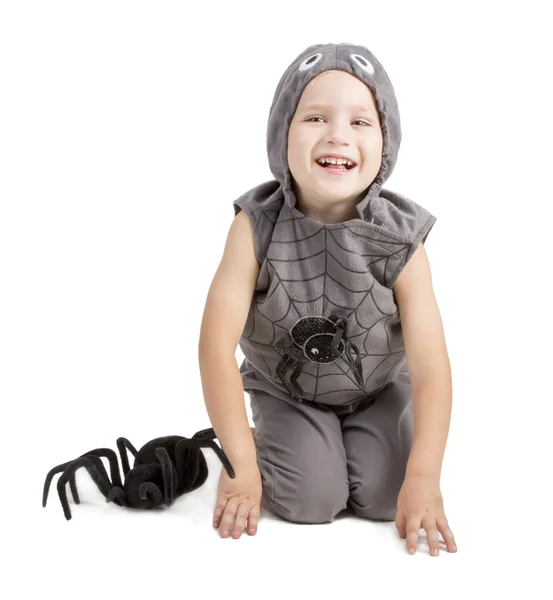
315, 463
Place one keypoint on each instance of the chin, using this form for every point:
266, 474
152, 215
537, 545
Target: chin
338, 192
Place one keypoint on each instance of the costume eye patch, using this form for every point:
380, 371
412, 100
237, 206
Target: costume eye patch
363, 63
309, 62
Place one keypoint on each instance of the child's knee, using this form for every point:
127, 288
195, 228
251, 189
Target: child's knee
308, 500
376, 511
375, 504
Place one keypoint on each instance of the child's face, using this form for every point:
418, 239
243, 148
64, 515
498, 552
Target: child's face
347, 124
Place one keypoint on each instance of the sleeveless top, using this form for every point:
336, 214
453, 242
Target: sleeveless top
321, 284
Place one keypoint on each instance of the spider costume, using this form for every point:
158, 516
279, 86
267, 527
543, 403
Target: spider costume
324, 358
319, 340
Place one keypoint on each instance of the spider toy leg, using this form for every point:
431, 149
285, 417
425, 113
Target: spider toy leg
116, 493
113, 465
150, 489
205, 443
205, 434
169, 475
50, 476
191, 463
97, 476
209, 434
123, 445
74, 492
94, 455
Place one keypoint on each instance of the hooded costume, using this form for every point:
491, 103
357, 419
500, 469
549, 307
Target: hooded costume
323, 337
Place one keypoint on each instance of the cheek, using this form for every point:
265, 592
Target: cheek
373, 148
299, 151
293, 158
379, 143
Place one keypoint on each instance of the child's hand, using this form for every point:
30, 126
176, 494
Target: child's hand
238, 502
420, 505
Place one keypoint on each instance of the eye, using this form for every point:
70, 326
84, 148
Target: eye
310, 62
363, 63
310, 119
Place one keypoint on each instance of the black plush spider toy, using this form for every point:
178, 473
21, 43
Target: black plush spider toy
164, 468
319, 340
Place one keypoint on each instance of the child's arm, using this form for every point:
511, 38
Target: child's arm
226, 310
420, 502
428, 363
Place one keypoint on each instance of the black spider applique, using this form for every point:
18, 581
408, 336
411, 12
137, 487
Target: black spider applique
164, 468
320, 340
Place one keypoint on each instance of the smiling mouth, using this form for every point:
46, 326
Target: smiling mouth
337, 169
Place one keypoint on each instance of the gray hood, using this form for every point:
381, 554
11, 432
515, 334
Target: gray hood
357, 61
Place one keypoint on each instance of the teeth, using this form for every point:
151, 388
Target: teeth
335, 161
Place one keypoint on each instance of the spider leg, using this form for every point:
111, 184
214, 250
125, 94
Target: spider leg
150, 489
188, 460
292, 358
284, 366
167, 469
97, 476
203, 443
286, 363
297, 390
48, 481
220, 454
117, 496
205, 434
113, 465
340, 333
123, 445
72, 481
356, 364
74, 492
209, 434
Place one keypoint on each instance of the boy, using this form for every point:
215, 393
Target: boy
317, 267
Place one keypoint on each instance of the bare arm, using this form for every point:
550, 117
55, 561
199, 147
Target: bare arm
420, 502
226, 310
428, 363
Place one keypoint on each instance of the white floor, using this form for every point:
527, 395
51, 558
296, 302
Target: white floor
106, 551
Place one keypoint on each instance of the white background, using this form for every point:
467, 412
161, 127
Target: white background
127, 130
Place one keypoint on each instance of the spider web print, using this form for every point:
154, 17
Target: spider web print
317, 270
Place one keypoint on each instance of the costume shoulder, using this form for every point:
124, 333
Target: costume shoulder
406, 220
262, 204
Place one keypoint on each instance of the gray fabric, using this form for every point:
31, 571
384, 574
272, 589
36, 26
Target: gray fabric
346, 269
329, 431
314, 463
314, 269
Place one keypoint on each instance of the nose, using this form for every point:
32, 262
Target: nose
338, 133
